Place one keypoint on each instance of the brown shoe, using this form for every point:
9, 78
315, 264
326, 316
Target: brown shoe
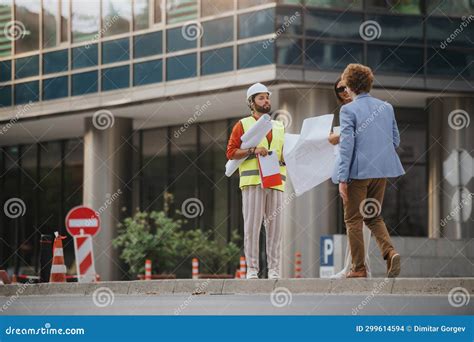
393, 265
357, 274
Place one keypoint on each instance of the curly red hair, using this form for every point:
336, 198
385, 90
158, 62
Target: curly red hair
358, 78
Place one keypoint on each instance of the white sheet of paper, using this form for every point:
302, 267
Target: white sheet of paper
309, 156
269, 165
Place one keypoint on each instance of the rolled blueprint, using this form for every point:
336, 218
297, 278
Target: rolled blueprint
251, 138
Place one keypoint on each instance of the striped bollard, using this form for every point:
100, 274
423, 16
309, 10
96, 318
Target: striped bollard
297, 265
148, 269
243, 268
195, 268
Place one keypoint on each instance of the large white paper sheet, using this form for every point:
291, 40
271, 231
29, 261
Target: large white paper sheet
309, 156
251, 138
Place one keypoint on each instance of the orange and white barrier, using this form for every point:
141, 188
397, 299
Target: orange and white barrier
195, 268
243, 268
58, 268
84, 258
147, 269
297, 265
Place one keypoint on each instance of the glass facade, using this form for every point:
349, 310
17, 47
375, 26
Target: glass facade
426, 39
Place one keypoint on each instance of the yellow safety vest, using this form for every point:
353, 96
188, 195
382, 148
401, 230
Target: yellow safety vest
248, 170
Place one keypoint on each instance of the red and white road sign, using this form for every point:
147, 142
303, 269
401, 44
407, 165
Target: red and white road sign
84, 259
82, 221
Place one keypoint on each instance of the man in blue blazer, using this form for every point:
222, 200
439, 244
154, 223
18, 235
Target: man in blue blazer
369, 137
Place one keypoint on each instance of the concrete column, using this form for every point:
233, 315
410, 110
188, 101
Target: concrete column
451, 129
314, 213
107, 185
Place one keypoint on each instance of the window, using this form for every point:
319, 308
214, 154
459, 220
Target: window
218, 31
26, 92
289, 51
332, 56
178, 11
256, 23
158, 11
117, 15
116, 78
5, 18
455, 8
177, 39
55, 88
400, 7
250, 3
214, 7
73, 172
115, 51
443, 32
148, 44
5, 96
5, 71
84, 83
64, 20
26, 67
333, 24
338, 4
85, 20
395, 60
399, 29
50, 19
288, 21
256, 54
56, 61
84, 56
27, 12
181, 67
140, 13
219, 60
148, 72
451, 63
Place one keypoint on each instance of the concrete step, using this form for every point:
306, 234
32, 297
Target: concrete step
375, 286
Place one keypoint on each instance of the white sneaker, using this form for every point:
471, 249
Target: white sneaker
252, 273
273, 274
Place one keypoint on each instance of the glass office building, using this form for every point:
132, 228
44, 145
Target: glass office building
170, 77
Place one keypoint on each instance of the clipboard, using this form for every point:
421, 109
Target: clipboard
269, 167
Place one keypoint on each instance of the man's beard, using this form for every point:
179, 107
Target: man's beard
263, 110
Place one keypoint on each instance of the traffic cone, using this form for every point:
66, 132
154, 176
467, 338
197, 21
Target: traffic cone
237, 274
195, 268
58, 268
243, 268
14, 280
147, 269
297, 265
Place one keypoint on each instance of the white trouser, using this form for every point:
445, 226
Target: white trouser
348, 263
262, 205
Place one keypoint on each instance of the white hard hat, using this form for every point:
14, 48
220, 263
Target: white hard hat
257, 88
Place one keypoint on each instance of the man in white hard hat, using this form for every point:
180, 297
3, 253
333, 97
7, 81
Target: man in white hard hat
259, 204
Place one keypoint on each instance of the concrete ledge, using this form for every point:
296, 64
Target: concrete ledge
399, 286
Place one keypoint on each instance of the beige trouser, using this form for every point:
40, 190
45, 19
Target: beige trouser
262, 204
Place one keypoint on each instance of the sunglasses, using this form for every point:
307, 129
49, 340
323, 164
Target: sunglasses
340, 89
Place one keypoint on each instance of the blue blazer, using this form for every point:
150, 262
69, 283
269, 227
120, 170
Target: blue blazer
369, 137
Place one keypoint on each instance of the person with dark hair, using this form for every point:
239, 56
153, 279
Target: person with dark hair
368, 142
343, 98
